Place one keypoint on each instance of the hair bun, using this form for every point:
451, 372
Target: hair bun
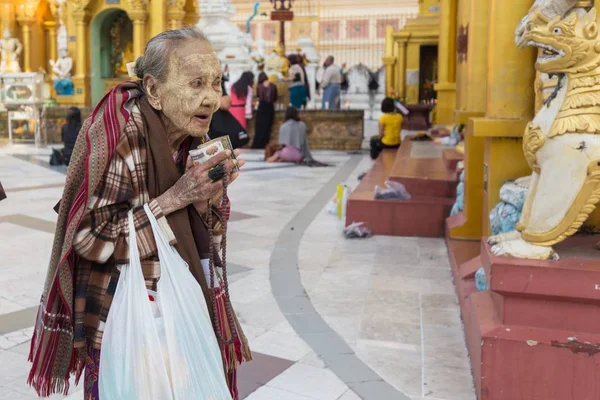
138, 68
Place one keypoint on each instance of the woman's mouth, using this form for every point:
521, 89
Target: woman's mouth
203, 118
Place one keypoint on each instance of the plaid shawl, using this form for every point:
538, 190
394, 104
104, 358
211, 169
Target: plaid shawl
52, 353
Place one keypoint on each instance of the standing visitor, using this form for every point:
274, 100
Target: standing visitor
298, 83
267, 96
223, 123
241, 98
331, 83
69, 132
390, 129
133, 152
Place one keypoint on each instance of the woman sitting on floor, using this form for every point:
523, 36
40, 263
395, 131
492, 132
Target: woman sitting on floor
293, 143
390, 128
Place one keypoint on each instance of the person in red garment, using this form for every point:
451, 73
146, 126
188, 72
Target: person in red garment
241, 94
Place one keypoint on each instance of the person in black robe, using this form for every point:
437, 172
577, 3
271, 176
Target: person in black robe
267, 95
69, 132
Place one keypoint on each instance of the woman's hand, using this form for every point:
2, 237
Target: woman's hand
195, 186
201, 207
240, 163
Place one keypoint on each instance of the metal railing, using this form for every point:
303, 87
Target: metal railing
351, 39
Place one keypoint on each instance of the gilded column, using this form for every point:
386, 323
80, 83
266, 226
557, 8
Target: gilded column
478, 34
473, 40
510, 102
401, 70
389, 60
511, 70
462, 45
413, 66
139, 17
81, 20
446, 87
26, 23
50, 27
175, 18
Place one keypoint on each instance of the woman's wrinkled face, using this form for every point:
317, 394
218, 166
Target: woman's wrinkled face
192, 91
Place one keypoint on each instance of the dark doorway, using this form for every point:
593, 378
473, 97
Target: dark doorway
428, 73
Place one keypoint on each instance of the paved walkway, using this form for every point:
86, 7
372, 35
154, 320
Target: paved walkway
327, 318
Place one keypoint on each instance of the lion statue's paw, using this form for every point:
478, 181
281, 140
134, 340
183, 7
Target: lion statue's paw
519, 248
504, 237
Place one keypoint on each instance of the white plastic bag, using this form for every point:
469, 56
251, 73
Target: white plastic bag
394, 191
174, 356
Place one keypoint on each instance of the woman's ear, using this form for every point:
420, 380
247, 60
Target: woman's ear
151, 87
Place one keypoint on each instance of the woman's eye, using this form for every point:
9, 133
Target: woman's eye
197, 83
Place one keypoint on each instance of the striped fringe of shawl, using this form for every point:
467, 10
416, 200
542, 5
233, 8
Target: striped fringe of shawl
236, 353
52, 349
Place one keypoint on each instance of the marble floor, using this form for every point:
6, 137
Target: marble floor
327, 318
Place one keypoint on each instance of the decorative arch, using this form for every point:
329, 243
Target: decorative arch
101, 50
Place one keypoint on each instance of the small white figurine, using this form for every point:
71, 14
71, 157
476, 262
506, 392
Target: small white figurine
10, 49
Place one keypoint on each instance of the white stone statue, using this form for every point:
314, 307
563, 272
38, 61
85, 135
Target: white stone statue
358, 79
10, 50
562, 143
259, 56
308, 49
215, 22
231, 44
274, 65
381, 81
61, 68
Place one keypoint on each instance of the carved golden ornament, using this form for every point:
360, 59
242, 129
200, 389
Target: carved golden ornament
176, 4
137, 4
77, 5
533, 140
585, 3
175, 15
26, 11
570, 47
53, 7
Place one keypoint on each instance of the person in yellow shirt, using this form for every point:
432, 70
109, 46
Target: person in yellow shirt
390, 126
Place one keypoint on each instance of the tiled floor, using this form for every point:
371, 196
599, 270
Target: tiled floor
390, 301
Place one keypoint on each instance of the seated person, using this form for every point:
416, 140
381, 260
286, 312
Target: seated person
70, 131
390, 128
293, 143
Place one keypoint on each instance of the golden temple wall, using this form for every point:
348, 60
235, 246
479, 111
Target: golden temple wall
35, 23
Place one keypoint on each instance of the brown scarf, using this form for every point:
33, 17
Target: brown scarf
162, 175
193, 241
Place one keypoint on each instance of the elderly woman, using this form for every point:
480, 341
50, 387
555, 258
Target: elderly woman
133, 150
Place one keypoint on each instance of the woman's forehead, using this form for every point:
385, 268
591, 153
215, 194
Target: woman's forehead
197, 64
196, 55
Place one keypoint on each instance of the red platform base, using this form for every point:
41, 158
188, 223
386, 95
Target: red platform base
431, 185
535, 335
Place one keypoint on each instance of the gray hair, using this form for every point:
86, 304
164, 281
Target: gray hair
157, 53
